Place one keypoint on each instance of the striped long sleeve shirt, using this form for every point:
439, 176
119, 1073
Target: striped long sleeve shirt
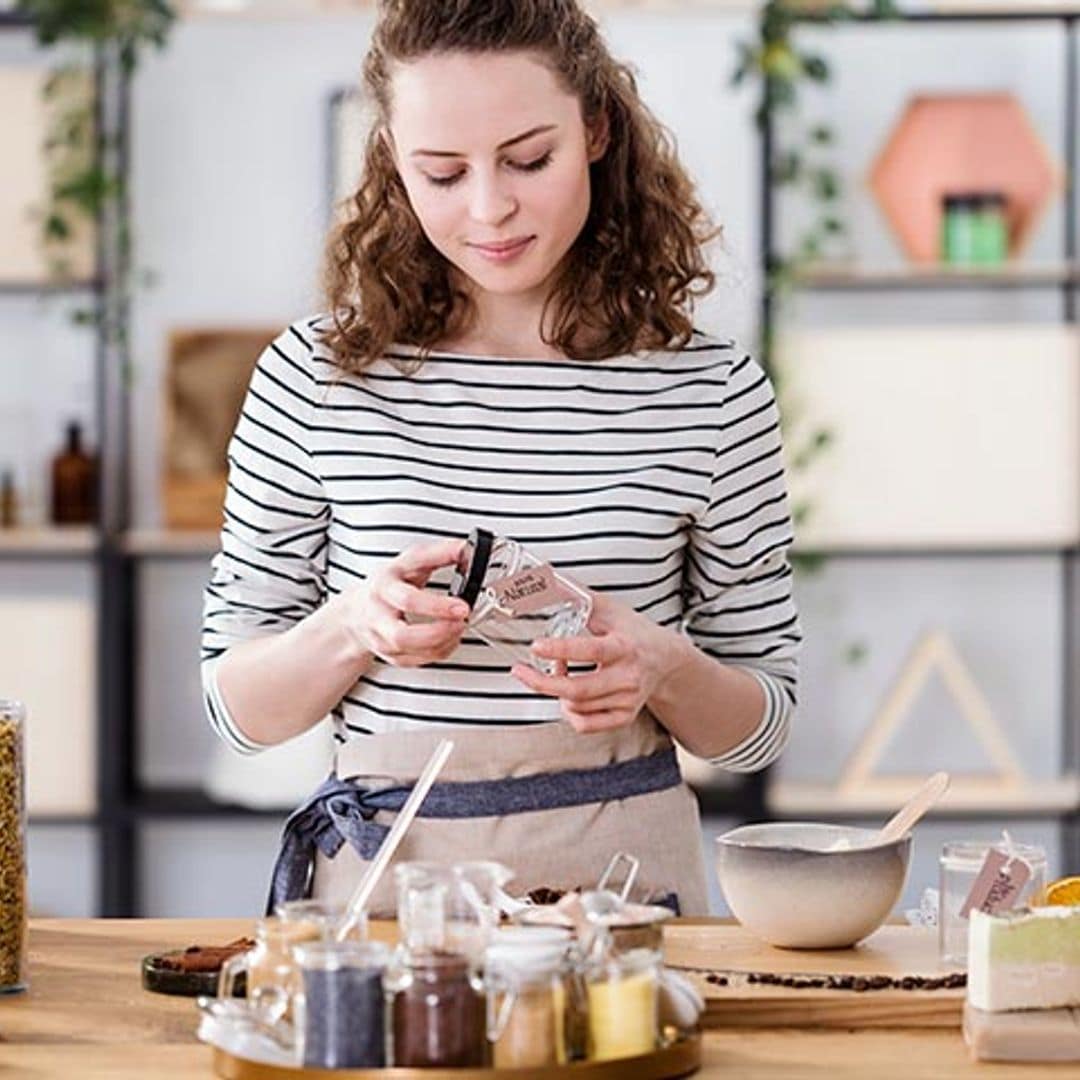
654, 477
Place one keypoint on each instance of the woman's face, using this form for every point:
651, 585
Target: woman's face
494, 156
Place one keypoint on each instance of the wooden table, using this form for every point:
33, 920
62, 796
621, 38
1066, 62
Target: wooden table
87, 1016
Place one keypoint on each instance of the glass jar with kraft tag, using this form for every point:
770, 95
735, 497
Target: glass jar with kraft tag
516, 598
993, 877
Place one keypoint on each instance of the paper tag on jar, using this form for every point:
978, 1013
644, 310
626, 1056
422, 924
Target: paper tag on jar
998, 884
528, 590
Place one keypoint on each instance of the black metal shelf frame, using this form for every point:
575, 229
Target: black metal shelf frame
1069, 558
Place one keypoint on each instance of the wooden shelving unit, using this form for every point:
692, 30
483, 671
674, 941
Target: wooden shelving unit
1057, 799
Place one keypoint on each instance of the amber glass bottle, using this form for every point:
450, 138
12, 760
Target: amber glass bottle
74, 482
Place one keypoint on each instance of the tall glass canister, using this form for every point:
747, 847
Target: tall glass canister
12, 847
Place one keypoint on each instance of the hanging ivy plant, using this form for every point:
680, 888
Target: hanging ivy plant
86, 181
782, 67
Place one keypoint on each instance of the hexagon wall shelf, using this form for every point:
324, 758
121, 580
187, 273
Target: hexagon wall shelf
946, 143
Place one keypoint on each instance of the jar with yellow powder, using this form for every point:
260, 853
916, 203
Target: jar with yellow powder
623, 993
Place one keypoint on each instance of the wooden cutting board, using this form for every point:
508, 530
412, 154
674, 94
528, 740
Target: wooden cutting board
727, 964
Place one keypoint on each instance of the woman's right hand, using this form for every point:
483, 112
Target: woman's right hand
392, 616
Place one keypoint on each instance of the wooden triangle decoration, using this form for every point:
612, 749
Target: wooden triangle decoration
933, 652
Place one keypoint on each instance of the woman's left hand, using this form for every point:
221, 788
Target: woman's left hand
632, 655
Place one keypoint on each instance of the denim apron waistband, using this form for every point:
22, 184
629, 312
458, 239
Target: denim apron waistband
341, 811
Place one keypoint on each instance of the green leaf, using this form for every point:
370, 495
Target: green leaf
787, 167
825, 184
816, 67
56, 228
856, 652
806, 563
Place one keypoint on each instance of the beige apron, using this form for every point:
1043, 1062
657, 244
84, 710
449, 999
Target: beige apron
562, 848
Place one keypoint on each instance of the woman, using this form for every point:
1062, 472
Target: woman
508, 345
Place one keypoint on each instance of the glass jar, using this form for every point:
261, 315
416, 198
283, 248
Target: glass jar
623, 993
960, 863
516, 598
991, 229
958, 229
317, 920
269, 968
423, 899
451, 907
437, 1010
340, 1009
13, 901
473, 911
527, 1002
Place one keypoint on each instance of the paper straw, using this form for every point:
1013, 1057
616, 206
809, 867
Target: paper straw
358, 902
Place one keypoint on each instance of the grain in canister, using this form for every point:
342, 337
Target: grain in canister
13, 900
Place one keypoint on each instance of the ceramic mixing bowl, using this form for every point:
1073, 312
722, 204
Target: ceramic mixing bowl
801, 885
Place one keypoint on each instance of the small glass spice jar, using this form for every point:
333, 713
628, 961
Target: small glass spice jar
526, 987
317, 920
622, 983
340, 1010
268, 967
436, 1009
13, 921
516, 598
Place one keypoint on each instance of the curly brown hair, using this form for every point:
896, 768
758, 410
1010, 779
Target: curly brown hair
631, 277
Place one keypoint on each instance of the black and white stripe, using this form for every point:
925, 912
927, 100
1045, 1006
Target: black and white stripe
655, 478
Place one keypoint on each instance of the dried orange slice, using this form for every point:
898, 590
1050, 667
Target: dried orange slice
1064, 892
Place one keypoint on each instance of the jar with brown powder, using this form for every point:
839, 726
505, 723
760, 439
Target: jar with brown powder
437, 1010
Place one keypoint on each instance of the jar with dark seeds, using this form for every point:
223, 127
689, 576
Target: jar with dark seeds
342, 1016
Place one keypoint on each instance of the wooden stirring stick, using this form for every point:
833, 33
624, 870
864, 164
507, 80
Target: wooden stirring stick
358, 902
908, 814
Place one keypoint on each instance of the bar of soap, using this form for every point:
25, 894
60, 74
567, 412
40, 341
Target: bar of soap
1036, 1035
1024, 959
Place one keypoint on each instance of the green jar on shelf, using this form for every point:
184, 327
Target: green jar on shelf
991, 230
974, 229
958, 229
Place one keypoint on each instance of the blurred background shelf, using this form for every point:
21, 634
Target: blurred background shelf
49, 541
166, 543
195, 803
852, 277
1044, 798
43, 289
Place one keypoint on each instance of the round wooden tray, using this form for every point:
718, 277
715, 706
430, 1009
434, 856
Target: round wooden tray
680, 1058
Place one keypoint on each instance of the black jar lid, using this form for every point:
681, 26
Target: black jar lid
472, 566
